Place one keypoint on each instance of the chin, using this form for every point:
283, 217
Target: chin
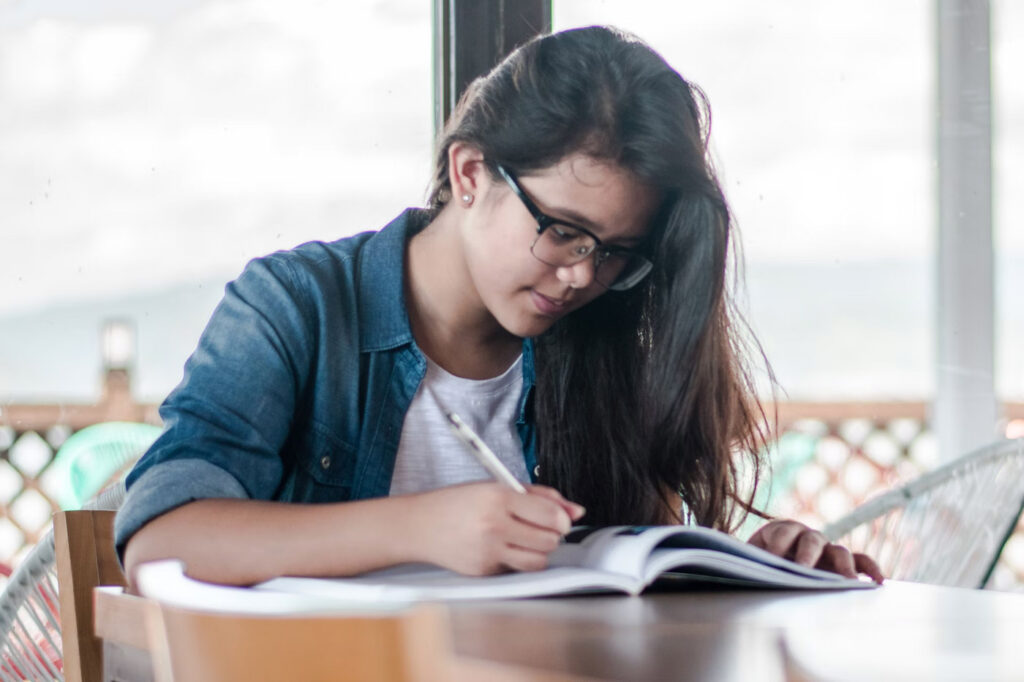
528, 326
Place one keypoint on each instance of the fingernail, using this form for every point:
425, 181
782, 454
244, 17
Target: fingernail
580, 511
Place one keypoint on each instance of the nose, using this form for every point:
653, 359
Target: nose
578, 275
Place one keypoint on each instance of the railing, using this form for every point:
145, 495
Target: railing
829, 458
30, 436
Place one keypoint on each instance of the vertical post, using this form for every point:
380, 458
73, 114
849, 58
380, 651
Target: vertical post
471, 36
965, 410
442, 63
118, 346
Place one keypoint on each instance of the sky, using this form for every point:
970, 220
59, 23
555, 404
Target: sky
147, 146
142, 153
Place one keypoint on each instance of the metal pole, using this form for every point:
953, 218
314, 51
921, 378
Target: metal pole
471, 36
965, 410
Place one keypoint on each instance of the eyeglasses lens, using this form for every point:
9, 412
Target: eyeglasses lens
561, 245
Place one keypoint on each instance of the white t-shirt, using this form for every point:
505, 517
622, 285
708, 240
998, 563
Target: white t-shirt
430, 456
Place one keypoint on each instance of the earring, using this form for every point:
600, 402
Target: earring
467, 199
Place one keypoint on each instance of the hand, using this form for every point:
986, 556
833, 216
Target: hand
795, 541
487, 528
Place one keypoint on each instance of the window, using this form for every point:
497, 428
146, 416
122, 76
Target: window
148, 150
823, 132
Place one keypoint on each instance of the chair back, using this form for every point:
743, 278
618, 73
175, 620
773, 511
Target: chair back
946, 527
46, 621
203, 646
86, 558
30, 637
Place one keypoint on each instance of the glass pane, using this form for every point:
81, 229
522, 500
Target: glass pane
1008, 213
148, 150
822, 133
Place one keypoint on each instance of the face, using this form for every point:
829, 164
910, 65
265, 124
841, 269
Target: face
524, 295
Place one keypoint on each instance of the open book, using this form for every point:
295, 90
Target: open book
626, 559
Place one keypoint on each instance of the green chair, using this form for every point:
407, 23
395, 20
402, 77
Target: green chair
96, 456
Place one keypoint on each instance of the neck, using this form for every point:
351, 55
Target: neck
449, 321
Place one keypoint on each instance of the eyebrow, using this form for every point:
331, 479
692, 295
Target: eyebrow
574, 217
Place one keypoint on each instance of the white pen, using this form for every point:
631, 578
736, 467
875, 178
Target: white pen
483, 454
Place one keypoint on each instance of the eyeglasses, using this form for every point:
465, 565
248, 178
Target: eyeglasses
561, 244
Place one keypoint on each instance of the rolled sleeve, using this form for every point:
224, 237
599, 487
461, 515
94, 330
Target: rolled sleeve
237, 401
167, 486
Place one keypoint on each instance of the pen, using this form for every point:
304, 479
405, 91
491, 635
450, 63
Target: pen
483, 454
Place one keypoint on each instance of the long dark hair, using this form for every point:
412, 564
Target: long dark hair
642, 396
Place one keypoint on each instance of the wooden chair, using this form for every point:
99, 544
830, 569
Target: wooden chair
204, 633
202, 646
412, 646
110, 635
103, 630
46, 607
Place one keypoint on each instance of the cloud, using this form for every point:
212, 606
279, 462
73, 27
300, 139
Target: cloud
143, 150
139, 154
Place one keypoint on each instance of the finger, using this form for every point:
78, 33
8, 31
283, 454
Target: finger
837, 559
866, 565
529, 537
540, 511
575, 511
809, 547
778, 537
520, 559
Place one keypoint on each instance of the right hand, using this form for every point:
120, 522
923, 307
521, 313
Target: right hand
487, 528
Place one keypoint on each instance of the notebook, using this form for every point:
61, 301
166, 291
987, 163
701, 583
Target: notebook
612, 559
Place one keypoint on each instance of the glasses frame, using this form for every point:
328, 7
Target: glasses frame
600, 250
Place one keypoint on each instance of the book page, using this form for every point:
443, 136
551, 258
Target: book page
702, 565
422, 582
645, 551
165, 581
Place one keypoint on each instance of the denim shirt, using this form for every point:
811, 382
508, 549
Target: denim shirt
299, 386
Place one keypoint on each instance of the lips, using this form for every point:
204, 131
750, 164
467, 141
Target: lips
548, 306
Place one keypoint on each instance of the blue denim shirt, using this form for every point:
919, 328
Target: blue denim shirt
299, 386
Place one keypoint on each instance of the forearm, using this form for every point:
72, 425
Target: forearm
242, 542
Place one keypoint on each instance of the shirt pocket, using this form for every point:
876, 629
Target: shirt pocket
325, 468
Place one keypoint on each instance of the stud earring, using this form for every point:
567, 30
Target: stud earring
467, 199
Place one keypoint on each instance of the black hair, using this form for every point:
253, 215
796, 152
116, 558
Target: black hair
642, 396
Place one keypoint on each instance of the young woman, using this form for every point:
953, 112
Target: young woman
565, 293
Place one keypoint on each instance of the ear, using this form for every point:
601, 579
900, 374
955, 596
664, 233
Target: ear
467, 172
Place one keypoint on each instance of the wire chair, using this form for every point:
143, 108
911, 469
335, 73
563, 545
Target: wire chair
30, 632
946, 527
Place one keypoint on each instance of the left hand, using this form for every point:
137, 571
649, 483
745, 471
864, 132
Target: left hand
794, 541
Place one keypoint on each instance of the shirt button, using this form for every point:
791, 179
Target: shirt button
536, 470
325, 462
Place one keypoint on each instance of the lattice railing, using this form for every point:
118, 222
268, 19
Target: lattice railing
30, 436
830, 458
27, 493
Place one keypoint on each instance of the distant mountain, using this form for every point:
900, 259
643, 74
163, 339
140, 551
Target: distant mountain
832, 331
54, 353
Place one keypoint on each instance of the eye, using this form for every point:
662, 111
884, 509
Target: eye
564, 233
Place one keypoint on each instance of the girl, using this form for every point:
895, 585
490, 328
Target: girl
564, 293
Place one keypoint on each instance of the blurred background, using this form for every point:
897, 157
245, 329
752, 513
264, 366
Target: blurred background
149, 150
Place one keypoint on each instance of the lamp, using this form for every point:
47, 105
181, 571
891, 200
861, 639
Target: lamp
118, 341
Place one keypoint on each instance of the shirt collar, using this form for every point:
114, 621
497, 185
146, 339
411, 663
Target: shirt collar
383, 319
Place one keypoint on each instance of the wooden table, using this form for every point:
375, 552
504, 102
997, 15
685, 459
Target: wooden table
901, 631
